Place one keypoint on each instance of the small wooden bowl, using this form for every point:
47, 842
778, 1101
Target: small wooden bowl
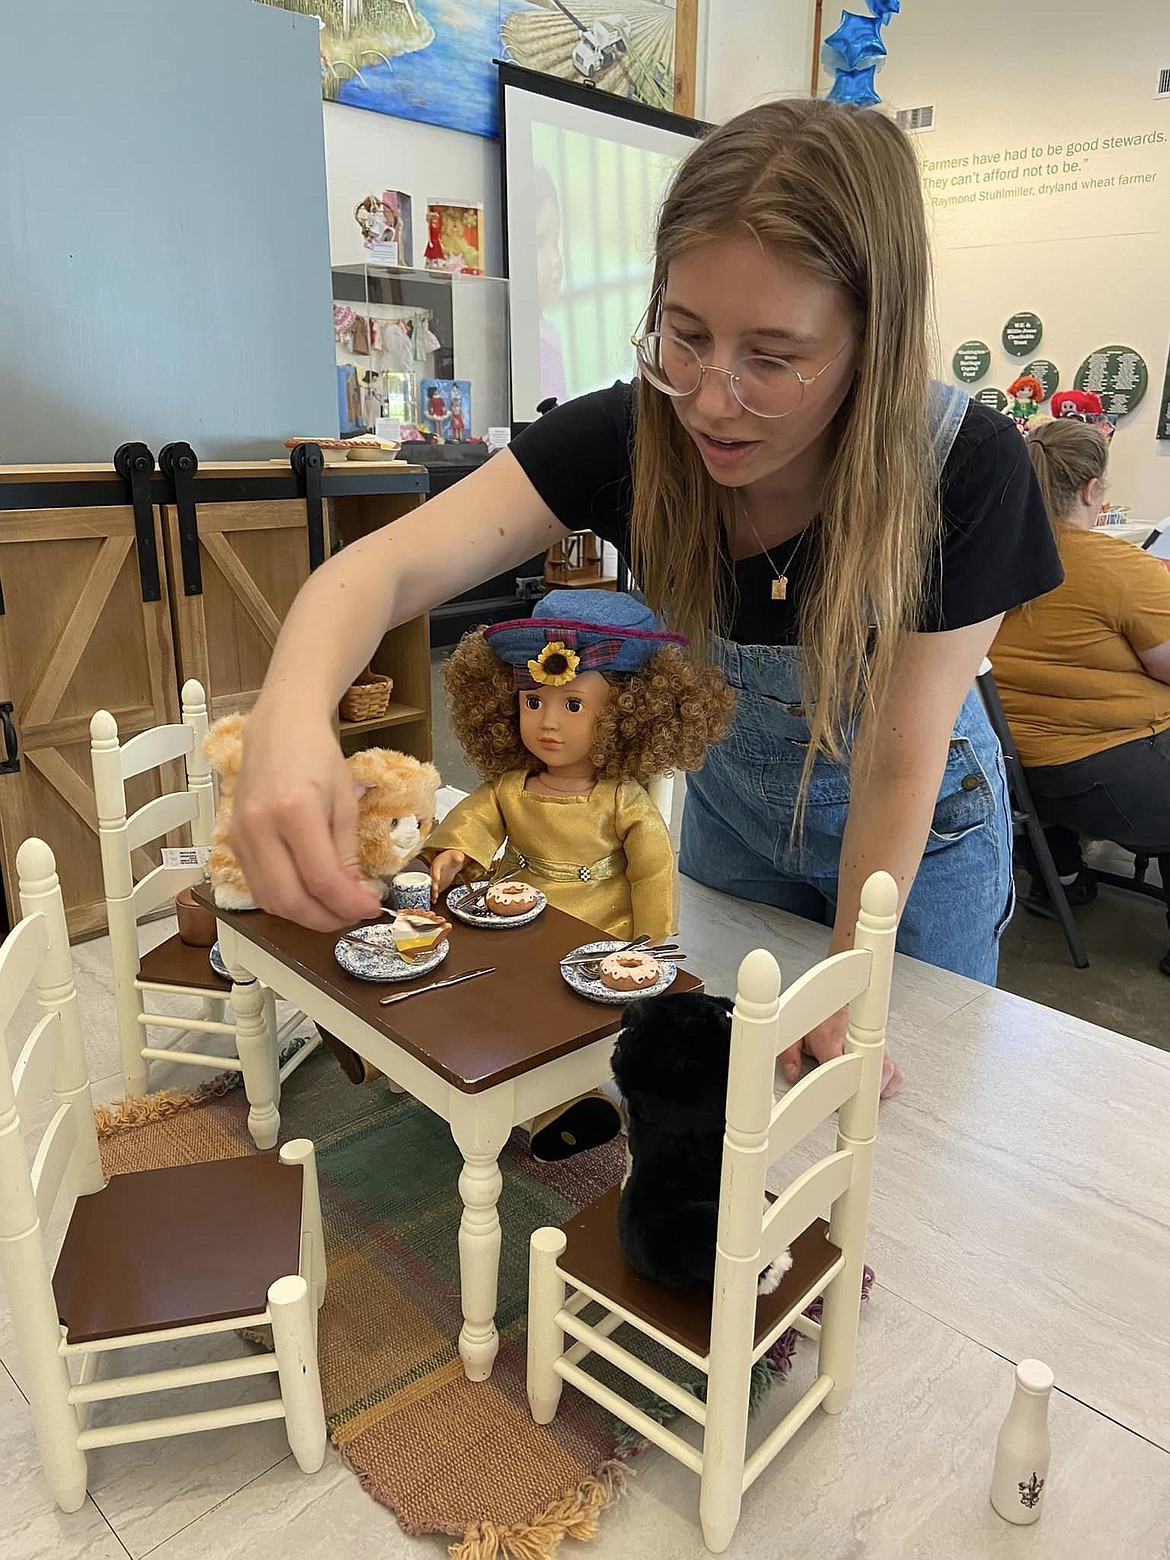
197, 927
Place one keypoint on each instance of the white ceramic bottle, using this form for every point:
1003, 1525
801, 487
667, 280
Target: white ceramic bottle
1022, 1451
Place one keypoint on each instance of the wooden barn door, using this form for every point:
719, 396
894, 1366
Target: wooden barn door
75, 636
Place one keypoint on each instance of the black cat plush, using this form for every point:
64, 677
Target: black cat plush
671, 1062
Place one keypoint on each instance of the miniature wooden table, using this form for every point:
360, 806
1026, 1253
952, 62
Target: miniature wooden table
485, 1055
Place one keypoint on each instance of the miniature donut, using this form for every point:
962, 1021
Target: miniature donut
511, 898
629, 971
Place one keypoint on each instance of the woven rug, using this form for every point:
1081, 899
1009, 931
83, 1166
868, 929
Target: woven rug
447, 1455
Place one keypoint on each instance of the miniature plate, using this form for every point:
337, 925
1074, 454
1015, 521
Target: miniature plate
596, 989
382, 961
215, 959
488, 919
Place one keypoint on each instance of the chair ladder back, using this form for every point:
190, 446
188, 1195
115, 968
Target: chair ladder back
33, 1071
54, 1161
811, 1102
812, 1194
660, 789
155, 819
154, 748
21, 955
158, 888
199, 778
822, 991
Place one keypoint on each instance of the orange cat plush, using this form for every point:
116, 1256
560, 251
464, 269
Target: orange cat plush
396, 812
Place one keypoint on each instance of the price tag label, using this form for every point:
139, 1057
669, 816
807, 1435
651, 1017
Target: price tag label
499, 438
186, 856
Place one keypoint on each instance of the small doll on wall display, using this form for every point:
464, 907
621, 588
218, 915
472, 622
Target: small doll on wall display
1025, 395
446, 409
454, 238
458, 430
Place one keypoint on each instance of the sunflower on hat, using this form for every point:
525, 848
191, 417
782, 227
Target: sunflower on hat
555, 665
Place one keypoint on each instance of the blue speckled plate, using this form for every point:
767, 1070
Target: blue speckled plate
383, 961
488, 919
597, 991
215, 959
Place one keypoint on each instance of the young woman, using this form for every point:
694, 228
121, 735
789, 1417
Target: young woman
775, 479
1084, 675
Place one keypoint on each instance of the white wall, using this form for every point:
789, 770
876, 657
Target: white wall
366, 153
754, 49
1090, 261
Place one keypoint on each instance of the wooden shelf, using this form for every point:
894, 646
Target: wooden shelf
396, 715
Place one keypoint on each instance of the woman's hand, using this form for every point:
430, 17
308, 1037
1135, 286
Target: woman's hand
828, 1040
445, 868
294, 824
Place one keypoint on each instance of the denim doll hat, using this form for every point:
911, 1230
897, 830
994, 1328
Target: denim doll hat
573, 631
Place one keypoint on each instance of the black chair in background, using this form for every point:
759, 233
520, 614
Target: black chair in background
1026, 824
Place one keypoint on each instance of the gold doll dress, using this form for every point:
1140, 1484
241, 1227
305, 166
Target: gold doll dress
604, 857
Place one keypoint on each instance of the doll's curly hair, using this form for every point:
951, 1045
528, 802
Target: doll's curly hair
663, 716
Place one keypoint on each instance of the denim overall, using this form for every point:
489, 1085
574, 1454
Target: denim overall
737, 827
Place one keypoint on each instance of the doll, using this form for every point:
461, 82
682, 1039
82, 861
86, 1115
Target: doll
567, 715
396, 810
1025, 394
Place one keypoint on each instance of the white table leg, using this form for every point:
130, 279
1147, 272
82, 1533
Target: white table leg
480, 1125
254, 1043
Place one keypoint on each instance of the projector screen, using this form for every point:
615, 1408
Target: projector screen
584, 174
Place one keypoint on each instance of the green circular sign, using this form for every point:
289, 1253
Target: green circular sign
990, 396
1118, 375
1047, 373
971, 361
1021, 335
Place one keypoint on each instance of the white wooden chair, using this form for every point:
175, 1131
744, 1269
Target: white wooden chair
723, 1334
149, 1257
172, 967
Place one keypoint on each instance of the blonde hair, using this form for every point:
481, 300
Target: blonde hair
1065, 455
836, 190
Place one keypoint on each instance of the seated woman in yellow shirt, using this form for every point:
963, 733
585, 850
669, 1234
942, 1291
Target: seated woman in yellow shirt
1084, 674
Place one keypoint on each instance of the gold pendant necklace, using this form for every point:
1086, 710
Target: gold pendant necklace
780, 583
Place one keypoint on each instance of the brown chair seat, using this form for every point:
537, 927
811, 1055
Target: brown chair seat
169, 1248
595, 1258
175, 963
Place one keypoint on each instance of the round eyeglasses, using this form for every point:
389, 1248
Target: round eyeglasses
763, 385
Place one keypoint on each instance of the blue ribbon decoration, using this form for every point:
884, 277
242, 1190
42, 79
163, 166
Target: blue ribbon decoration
857, 41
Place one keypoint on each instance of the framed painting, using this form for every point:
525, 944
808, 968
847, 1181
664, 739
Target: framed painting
432, 60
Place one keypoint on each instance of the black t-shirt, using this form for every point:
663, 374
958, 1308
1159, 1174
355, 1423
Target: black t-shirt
996, 550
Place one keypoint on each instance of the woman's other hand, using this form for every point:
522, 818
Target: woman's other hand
826, 1041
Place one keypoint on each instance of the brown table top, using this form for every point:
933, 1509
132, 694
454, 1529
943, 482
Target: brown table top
474, 1035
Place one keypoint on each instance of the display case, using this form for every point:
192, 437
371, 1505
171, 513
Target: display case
426, 351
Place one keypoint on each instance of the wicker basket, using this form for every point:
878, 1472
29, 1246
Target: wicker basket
367, 697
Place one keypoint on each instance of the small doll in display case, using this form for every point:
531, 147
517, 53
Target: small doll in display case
567, 715
1024, 397
458, 421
